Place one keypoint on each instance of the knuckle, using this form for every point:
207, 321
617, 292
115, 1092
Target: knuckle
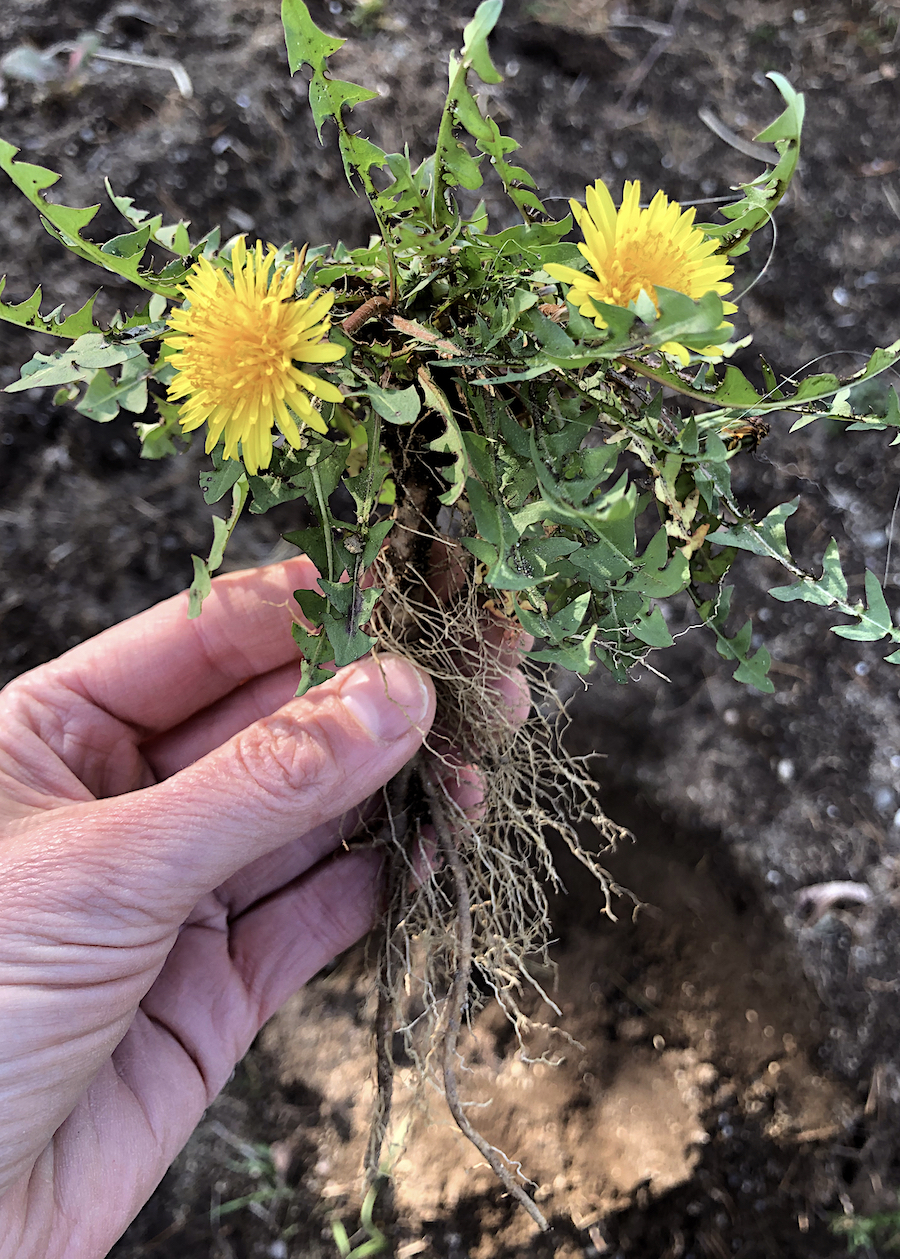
282, 759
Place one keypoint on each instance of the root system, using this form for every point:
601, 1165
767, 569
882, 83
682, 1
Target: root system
468, 831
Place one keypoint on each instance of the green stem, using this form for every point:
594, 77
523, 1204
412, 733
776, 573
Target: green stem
325, 517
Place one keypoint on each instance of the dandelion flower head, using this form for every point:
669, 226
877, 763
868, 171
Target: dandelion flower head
631, 250
240, 344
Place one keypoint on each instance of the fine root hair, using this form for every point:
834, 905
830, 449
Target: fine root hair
467, 832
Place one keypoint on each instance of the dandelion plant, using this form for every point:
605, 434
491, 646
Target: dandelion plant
502, 440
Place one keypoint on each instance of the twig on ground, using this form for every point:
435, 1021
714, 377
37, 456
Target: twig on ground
639, 74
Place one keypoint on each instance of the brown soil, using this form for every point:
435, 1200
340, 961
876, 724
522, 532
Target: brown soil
731, 1077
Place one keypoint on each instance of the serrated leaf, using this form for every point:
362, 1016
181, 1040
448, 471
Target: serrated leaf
766, 538
327, 97
66, 223
450, 442
577, 657
658, 575
830, 588
306, 43
27, 315
312, 543
754, 671
874, 621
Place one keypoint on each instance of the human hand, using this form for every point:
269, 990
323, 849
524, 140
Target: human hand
169, 816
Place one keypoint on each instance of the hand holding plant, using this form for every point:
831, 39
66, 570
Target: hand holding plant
170, 820
553, 423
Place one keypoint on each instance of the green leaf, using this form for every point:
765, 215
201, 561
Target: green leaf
451, 442
156, 439
103, 397
736, 390
306, 44
66, 223
541, 367
220, 538
225, 473
787, 126
222, 531
692, 324
398, 406
201, 587
577, 657
619, 321
347, 646
766, 538
830, 588
142, 219
764, 193
688, 439
874, 621
131, 389
359, 153
569, 619
651, 629
327, 97
27, 315
772, 387
374, 540
312, 543
129, 244
461, 167
659, 576
475, 36
753, 671
312, 604
270, 491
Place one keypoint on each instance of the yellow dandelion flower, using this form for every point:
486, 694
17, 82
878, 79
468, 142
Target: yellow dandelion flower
633, 250
239, 346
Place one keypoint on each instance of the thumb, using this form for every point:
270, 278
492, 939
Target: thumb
272, 783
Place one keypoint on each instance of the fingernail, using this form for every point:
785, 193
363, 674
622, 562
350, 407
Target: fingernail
387, 696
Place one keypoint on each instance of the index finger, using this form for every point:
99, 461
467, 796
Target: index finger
159, 668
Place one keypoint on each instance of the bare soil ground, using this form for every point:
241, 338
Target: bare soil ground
732, 1078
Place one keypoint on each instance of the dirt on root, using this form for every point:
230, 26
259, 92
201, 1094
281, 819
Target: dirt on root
729, 1076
